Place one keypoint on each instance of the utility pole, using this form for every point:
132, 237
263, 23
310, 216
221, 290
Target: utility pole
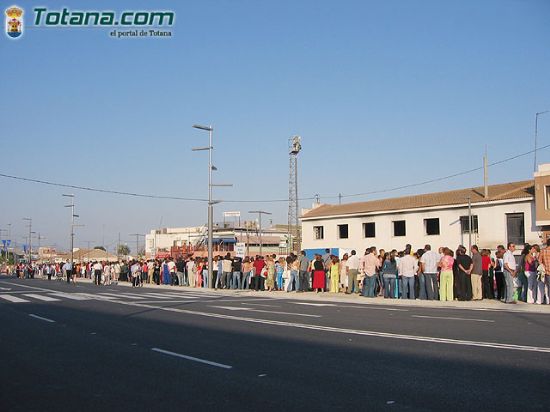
137, 235
470, 224
294, 147
260, 213
72, 226
29, 219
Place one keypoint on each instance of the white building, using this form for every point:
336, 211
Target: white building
506, 214
164, 239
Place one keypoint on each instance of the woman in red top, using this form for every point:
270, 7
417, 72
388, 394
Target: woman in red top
258, 264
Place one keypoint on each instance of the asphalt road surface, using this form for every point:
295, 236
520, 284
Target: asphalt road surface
118, 348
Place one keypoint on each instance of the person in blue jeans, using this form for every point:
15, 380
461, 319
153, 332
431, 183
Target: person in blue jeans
407, 268
389, 274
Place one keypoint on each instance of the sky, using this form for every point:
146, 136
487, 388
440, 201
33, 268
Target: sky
383, 94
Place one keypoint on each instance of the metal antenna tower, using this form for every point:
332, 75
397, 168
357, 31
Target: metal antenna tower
294, 147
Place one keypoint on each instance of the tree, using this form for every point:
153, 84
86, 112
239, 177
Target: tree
100, 248
123, 250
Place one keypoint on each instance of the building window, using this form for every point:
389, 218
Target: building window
342, 231
369, 229
465, 224
515, 227
547, 197
318, 232
431, 226
399, 228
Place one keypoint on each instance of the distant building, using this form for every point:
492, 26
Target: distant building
516, 212
193, 240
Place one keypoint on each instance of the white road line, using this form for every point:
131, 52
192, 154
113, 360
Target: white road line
71, 296
167, 295
5, 288
266, 311
13, 299
192, 358
313, 304
259, 304
373, 308
451, 318
123, 295
494, 345
41, 297
41, 318
98, 297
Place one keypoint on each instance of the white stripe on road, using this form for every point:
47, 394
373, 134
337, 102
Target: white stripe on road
313, 304
167, 295
5, 288
41, 318
124, 295
450, 318
494, 345
266, 311
192, 358
41, 297
71, 296
13, 299
259, 304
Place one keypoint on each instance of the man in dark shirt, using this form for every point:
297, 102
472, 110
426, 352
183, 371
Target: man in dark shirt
477, 272
465, 267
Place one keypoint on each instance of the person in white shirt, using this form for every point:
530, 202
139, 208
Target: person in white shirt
428, 262
407, 268
510, 272
353, 271
97, 269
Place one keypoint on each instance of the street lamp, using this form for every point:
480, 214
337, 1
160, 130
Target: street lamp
72, 226
260, 213
536, 133
28, 219
211, 203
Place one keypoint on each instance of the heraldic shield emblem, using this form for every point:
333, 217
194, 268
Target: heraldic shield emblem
14, 22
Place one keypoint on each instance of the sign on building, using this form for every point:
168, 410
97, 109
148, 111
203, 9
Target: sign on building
240, 250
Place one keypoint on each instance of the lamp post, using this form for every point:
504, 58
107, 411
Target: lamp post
211, 203
536, 137
29, 219
72, 225
260, 213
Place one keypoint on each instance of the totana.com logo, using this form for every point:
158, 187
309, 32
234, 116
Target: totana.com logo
14, 22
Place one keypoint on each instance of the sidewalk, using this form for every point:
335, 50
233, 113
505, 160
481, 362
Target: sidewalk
331, 298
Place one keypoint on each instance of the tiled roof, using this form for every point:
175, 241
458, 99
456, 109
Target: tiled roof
505, 191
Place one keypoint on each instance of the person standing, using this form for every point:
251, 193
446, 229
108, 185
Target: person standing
407, 268
446, 276
477, 272
353, 271
270, 279
544, 289
258, 264
191, 271
97, 268
389, 274
335, 275
486, 275
318, 274
499, 273
464, 266
180, 269
370, 265
429, 262
247, 273
68, 270
165, 272
237, 269
172, 269
226, 275
303, 277
531, 264
510, 272
326, 258
344, 272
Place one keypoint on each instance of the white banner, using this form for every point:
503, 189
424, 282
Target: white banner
240, 249
232, 214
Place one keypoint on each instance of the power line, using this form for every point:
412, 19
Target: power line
337, 196
92, 189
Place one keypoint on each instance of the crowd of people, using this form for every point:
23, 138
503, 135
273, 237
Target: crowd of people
425, 274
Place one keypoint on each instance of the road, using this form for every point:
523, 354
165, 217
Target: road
86, 347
